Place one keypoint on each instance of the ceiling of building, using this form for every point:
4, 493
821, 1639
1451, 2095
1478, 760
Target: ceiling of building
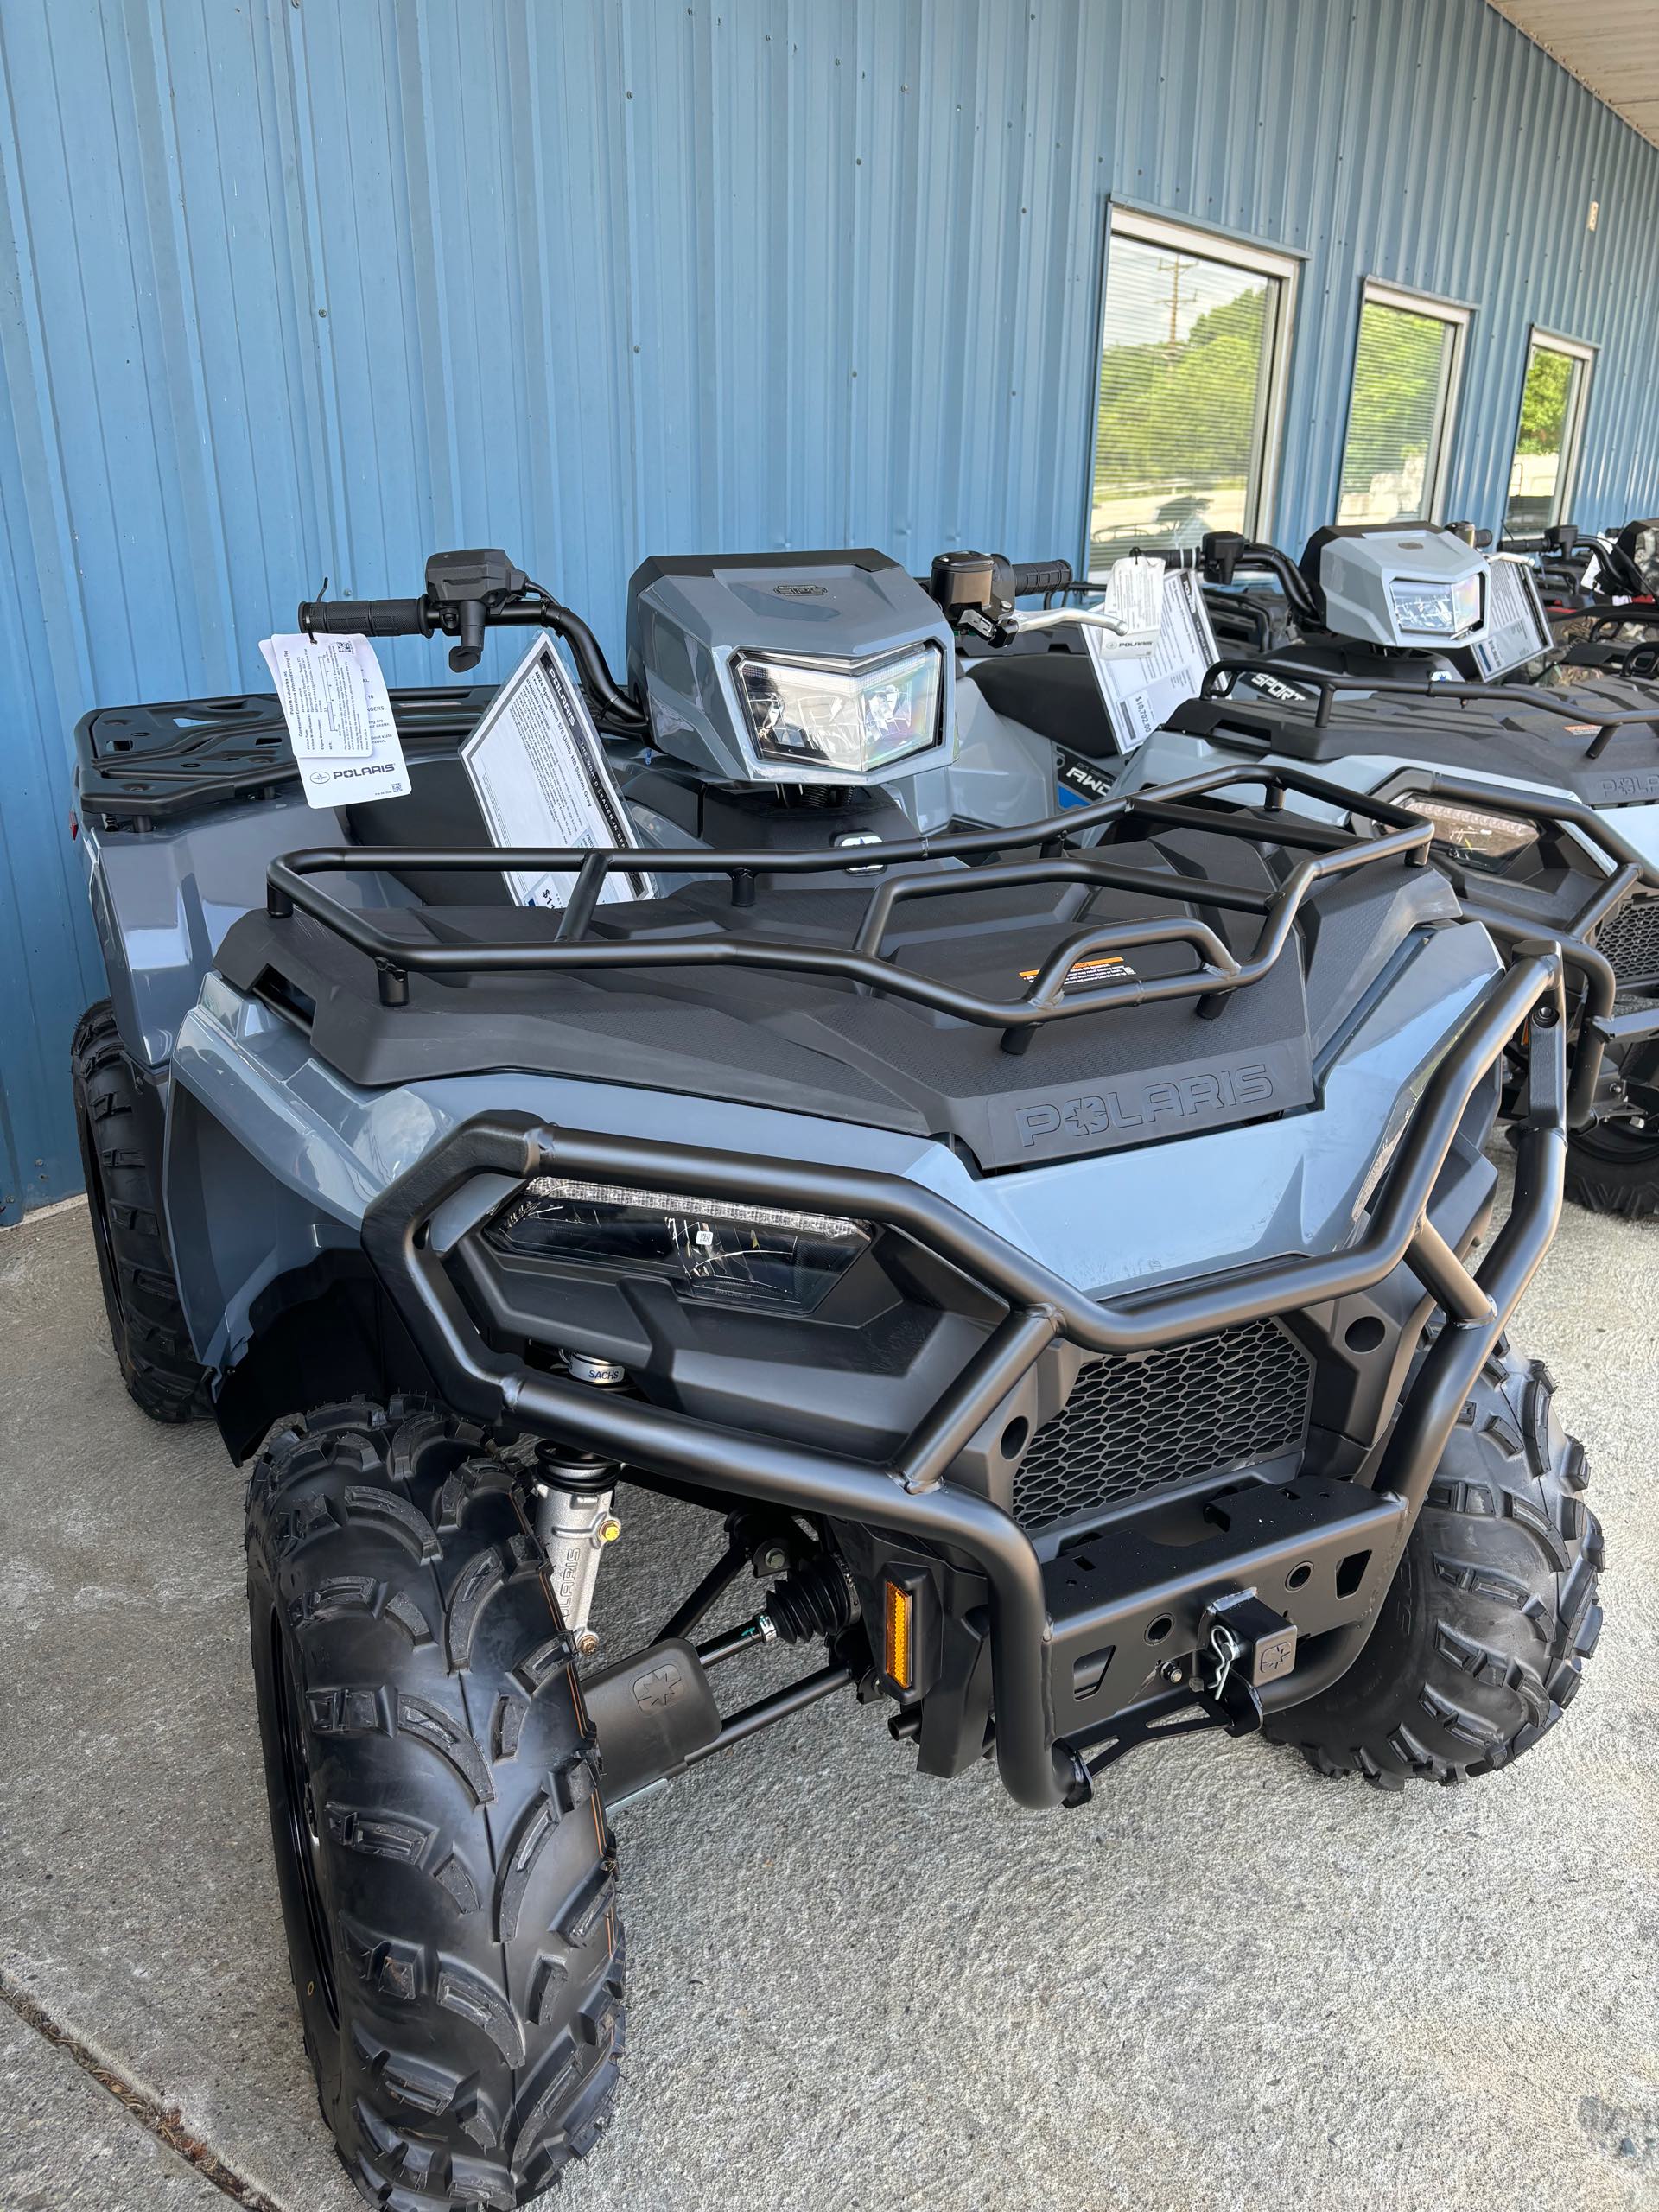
1612, 47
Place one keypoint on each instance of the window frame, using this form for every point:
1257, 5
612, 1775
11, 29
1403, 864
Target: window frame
1282, 263
1581, 351
1458, 315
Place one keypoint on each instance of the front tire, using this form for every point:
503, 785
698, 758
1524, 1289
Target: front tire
1613, 1169
1484, 1633
448, 1878
141, 1290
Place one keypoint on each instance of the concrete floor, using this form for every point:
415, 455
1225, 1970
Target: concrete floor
1224, 1984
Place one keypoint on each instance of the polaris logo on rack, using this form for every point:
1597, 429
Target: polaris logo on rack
1097, 1114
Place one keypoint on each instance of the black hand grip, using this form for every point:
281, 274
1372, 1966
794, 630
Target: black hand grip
364, 618
1040, 575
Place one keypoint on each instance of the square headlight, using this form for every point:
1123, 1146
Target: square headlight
1431, 610
841, 717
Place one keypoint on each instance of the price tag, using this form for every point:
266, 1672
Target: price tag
1141, 690
538, 769
339, 719
1517, 629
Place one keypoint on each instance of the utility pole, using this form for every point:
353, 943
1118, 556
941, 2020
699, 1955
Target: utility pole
1174, 263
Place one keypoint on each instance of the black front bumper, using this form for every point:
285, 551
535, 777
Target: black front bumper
1049, 1626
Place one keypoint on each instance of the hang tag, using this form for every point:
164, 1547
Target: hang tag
339, 719
1135, 596
538, 767
1141, 688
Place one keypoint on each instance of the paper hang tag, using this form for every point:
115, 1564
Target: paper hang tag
538, 769
340, 720
1140, 688
1135, 596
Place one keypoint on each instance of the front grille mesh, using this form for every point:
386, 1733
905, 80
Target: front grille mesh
1631, 941
1131, 1424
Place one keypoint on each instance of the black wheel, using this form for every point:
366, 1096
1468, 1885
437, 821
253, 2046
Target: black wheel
1483, 1637
448, 1878
141, 1291
1612, 1167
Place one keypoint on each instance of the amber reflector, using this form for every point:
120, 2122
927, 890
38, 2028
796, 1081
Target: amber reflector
899, 1658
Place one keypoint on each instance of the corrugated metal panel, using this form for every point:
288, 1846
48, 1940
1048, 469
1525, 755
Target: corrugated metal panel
309, 287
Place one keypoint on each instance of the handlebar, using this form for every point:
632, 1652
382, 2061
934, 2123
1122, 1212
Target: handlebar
465, 594
1223, 553
1032, 576
364, 618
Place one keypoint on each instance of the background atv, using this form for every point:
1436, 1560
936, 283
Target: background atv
1545, 803
1047, 1252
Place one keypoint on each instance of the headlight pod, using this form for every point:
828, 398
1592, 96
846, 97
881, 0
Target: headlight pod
715, 1249
1431, 610
1482, 840
841, 717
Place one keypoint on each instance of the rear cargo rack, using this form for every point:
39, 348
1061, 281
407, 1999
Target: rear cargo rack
1400, 836
143, 765
1575, 719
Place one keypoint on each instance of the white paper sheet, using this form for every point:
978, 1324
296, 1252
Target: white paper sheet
538, 767
1134, 595
1519, 627
1141, 689
340, 720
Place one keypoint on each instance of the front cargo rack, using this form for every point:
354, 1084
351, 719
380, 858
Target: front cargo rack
1628, 878
1602, 651
1398, 834
1577, 717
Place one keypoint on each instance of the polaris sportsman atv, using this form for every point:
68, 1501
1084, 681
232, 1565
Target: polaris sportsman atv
1048, 1253
1545, 802
1598, 592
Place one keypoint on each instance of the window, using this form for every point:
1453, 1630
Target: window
1553, 399
1195, 331
1407, 366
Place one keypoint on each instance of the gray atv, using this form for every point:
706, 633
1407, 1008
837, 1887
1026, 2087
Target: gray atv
1047, 1253
1396, 678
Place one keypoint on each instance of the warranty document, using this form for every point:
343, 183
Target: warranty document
538, 769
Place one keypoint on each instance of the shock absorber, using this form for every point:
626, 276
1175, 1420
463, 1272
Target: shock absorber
572, 1493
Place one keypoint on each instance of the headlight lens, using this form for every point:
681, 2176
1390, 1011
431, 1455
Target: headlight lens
846, 719
717, 1249
1480, 840
1436, 610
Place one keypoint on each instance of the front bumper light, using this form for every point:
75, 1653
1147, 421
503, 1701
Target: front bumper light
1486, 842
714, 1249
1436, 610
842, 718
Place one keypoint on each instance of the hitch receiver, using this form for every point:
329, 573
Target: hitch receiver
1244, 1645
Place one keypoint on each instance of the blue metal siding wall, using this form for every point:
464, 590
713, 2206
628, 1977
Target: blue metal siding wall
301, 287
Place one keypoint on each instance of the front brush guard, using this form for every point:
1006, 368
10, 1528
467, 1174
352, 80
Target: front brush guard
1035, 1625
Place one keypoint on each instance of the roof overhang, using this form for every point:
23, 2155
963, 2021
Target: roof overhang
1612, 47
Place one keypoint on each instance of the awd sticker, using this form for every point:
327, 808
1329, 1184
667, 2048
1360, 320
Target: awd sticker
1079, 782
